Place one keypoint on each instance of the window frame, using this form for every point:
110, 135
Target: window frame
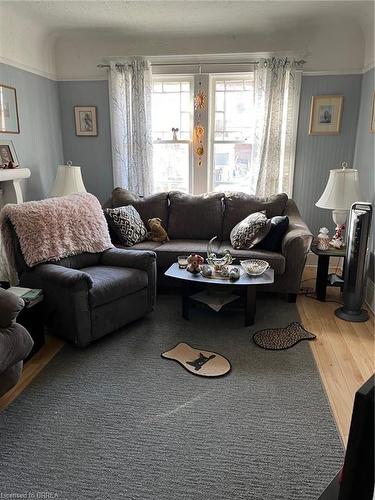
179, 78
214, 77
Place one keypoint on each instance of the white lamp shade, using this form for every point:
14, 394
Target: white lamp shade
68, 181
341, 191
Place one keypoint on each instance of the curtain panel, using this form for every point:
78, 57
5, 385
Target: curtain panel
277, 86
130, 109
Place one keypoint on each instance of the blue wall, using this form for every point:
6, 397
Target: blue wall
364, 159
316, 155
39, 143
93, 154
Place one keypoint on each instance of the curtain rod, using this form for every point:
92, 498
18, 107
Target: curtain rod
301, 62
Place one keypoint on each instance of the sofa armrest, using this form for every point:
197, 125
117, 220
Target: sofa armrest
47, 275
298, 238
138, 259
10, 306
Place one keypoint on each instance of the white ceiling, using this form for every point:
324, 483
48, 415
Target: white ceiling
182, 18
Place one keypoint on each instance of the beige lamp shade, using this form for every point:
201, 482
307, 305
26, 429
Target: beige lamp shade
341, 191
68, 181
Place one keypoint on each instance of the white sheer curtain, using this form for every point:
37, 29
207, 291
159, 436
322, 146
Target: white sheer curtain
277, 86
130, 107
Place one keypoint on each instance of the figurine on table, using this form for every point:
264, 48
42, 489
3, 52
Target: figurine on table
338, 239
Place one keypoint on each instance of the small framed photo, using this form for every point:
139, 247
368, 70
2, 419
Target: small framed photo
325, 114
85, 121
372, 123
9, 123
7, 154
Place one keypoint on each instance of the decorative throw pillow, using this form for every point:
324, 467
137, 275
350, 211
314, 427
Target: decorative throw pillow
250, 231
272, 242
127, 224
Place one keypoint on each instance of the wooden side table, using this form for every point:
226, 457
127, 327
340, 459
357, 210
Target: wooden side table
323, 266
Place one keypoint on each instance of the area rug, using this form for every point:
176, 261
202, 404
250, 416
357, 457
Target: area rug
115, 420
276, 339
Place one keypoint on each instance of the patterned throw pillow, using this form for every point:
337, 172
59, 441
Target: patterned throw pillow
127, 224
250, 231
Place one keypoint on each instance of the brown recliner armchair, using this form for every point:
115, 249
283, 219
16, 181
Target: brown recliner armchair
15, 341
90, 295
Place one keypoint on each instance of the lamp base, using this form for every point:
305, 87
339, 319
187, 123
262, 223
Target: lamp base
356, 317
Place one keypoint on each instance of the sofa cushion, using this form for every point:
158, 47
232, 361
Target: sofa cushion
148, 207
272, 242
127, 225
250, 231
240, 205
111, 283
195, 216
275, 260
168, 252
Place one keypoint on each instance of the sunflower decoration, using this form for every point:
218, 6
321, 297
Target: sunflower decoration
200, 100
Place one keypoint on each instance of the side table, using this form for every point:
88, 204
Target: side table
323, 266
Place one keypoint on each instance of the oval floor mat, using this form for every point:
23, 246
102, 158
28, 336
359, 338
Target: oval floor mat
277, 339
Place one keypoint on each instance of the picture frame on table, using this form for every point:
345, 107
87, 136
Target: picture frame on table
372, 122
86, 124
9, 121
326, 114
8, 153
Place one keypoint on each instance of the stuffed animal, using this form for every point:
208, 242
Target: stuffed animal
195, 262
158, 233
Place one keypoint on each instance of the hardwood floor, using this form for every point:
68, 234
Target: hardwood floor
344, 353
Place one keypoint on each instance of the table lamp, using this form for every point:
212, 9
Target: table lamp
68, 180
341, 191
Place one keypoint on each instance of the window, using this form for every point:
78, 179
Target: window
232, 133
172, 107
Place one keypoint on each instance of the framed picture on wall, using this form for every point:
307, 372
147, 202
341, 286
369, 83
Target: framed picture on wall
325, 114
85, 121
7, 154
372, 123
9, 123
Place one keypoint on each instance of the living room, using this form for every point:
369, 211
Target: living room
187, 181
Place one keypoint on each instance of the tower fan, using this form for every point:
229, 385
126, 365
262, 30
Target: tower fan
356, 263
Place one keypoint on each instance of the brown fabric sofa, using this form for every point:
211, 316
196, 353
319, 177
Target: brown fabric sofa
191, 221
15, 341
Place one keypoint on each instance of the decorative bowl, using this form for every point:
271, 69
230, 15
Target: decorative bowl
255, 267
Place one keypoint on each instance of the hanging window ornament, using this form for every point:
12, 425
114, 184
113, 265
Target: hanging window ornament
199, 149
200, 100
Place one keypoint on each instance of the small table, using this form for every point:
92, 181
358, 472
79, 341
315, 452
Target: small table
323, 266
249, 282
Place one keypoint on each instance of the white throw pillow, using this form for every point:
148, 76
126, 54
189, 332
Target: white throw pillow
250, 231
127, 224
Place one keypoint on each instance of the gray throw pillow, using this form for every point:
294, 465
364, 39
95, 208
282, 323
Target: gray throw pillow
127, 224
250, 231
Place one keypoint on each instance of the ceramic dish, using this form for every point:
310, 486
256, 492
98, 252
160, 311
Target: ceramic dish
255, 267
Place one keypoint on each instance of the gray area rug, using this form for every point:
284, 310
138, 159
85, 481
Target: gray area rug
117, 421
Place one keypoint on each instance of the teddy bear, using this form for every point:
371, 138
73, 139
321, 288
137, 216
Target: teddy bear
195, 262
157, 233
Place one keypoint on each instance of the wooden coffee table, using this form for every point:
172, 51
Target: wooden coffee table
250, 282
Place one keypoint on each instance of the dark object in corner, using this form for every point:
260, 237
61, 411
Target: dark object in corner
356, 263
272, 242
356, 480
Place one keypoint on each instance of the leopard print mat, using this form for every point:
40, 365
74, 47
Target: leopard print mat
276, 339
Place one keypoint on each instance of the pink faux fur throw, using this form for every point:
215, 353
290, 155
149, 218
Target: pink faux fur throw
51, 229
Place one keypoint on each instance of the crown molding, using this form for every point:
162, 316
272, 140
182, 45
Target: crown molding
29, 69
81, 78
